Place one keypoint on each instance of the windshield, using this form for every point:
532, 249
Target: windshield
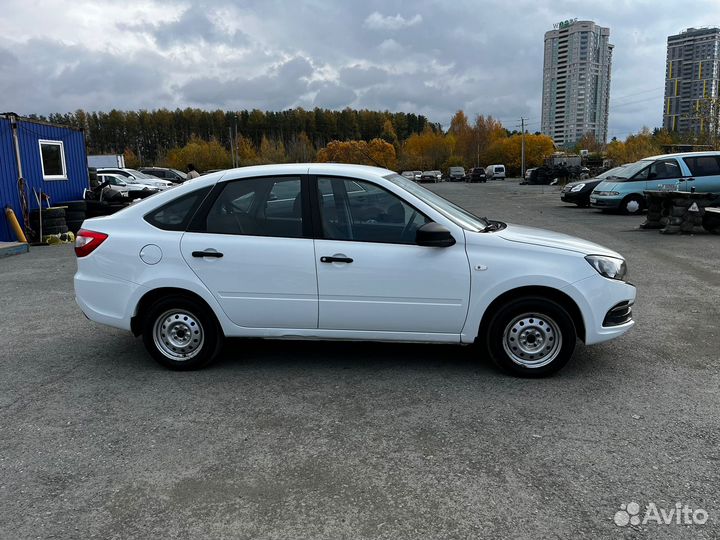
454, 213
628, 171
610, 172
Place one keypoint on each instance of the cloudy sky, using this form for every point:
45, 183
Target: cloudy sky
428, 57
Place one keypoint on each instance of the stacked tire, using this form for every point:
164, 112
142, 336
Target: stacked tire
52, 220
75, 214
102, 208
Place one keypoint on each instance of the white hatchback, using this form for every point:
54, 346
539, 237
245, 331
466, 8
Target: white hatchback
328, 251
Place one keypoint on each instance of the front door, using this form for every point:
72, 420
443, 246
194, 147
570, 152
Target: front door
251, 251
371, 274
665, 172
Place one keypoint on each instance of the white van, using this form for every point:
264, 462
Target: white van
495, 172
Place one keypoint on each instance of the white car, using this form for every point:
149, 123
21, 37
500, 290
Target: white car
330, 251
128, 187
132, 176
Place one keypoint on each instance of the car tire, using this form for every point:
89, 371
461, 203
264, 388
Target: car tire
530, 337
632, 205
181, 334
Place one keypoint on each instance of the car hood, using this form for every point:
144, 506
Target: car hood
606, 186
551, 239
587, 183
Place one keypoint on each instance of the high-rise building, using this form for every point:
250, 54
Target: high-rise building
576, 82
692, 77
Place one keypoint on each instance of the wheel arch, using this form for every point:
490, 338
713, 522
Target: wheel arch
136, 322
555, 295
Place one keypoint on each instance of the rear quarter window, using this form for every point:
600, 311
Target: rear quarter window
176, 214
703, 165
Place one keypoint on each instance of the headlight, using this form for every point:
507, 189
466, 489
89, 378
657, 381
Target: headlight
606, 193
579, 187
610, 267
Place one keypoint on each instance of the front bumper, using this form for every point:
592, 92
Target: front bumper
598, 298
605, 202
575, 197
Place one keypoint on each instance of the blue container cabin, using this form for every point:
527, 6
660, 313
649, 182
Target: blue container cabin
53, 159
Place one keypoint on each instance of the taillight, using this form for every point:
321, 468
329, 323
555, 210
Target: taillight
88, 241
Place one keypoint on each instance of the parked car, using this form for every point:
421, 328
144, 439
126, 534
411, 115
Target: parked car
495, 172
410, 175
477, 174
579, 192
431, 176
175, 176
456, 174
126, 186
237, 255
137, 177
528, 174
684, 171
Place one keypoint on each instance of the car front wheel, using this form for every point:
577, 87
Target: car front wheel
531, 337
181, 334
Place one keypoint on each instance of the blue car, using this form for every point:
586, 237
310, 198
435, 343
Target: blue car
623, 191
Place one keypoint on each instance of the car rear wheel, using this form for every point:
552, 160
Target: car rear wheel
531, 337
181, 334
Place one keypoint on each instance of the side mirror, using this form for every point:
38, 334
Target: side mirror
433, 235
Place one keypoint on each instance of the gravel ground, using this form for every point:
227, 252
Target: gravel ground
340, 440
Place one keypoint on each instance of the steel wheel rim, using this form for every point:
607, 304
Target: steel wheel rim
178, 335
532, 340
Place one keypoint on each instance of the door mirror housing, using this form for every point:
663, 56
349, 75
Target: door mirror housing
434, 235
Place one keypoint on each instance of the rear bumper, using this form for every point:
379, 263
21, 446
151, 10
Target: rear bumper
104, 299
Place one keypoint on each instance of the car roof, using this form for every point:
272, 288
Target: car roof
684, 154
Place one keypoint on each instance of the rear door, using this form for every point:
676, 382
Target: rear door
372, 276
251, 245
705, 173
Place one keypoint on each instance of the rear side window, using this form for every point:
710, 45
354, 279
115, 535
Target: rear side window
703, 165
176, 215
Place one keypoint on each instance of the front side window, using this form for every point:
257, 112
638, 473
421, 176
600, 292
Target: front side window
258, 207
52, 158
364, 212
664, 169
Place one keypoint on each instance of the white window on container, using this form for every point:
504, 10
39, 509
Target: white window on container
52, 160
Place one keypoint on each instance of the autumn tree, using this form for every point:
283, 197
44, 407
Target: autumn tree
428, 150
271, 151
507, 151
245, 152
377, 152
205, 155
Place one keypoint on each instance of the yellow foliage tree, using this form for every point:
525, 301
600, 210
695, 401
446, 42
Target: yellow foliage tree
131, 159
205, 155
428, 150
507, 151
377, 152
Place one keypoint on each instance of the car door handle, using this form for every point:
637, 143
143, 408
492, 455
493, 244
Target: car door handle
690, 179
207, 253
336, 259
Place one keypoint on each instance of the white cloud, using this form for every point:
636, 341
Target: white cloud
377, 21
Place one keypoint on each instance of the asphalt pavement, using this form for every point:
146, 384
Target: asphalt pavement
341, 440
